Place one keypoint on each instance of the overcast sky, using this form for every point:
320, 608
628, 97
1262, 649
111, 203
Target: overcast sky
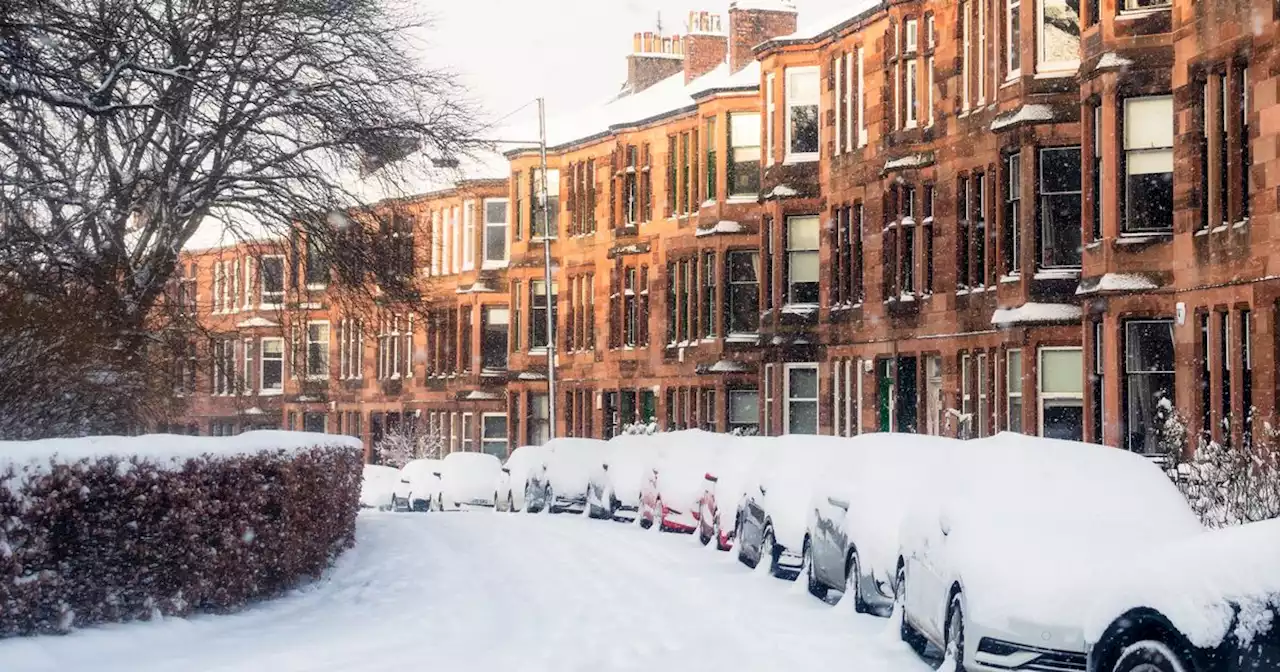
572, 52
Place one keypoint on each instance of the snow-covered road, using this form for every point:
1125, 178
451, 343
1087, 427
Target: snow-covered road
481, 592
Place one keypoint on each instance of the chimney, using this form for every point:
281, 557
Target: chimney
653, 58
706, 45
754, 21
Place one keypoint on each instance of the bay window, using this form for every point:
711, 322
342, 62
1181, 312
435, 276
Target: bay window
1148, 164
744, 154
1062, 393
1060, 207
802, 259
801, 398
802, 113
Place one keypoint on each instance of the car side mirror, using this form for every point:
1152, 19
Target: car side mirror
405, 481
944, 524
506, 470
605, 467
436, 474
762, 489
838, 503
711, 477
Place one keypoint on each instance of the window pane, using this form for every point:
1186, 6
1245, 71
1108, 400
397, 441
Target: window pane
802, 233
1149, 346
1061, 371
1060, 232
802, 417
1064, 420
1148, 122
1060, 170
1143, 415
802, 85
804, 129
1060, 31
744, 407
743, 266
804, 267
744, 132
495, 212
802, 383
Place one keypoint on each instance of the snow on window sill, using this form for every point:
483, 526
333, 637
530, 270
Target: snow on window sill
1011, 79
493, 264
1241, 224
1012, 277
270, 306
317, 286
1059, 71
1126, 14
793, 159
318, 377
962, 291
275, 392
742, 198
1139, 238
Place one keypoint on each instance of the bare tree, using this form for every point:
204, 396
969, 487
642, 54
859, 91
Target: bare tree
127, 125
408, 441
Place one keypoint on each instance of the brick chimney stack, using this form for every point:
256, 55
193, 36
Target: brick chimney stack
754, 21
705, 47
653, 58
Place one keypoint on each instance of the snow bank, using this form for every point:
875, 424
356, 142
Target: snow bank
1195, 582
110, 529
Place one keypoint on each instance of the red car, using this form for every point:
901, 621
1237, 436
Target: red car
653, 507
709, 526
722, 490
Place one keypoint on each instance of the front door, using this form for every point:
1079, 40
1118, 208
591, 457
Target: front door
907, 397
884, 395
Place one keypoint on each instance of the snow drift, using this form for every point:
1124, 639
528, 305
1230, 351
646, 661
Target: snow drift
107, 529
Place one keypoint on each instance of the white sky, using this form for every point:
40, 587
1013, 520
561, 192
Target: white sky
572, 52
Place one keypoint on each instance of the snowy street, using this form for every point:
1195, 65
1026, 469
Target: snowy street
477, 591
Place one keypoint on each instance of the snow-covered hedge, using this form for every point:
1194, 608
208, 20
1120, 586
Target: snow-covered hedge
109, 529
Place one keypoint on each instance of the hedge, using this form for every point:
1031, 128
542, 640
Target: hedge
112, 529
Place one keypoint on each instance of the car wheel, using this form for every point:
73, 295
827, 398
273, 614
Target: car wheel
769, 552
816, 587
1150, 655
955, 632
853, 583
549, 502
906, 631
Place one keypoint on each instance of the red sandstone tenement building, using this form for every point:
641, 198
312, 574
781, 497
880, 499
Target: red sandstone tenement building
956, 217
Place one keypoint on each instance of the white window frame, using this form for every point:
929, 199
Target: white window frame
862, 99
771, 112
787, 399
262, 365
504, 225
769, 371
790, 74
966, 397
233, 304
789, 250
837, 388
966, 44
932, 403
849, 103
1013, 388
1149, 150
1011, 47
469, 235
455, 240
468, 432
1042, 396
306, 355
485, 439
437, 243
276, 299
246, 359
983, 398
982, 52
912, 72
838, 77
1043, 66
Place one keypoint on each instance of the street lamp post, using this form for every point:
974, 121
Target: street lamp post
546, 271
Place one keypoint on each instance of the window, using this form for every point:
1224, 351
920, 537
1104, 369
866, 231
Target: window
1062, 393
771, 116
272, 274
224, 366
1060, 207
857, 290
389, 354
493, 338
1148, 164
317, 349
979, 275
768, 398
709, 276
744, 411
350, 349
965, 430
962, 234
317, 272
802, 259
1096, 381
982, 394
495, 232
686, 174
538, 312
437, 244
965, 50
862, 99
468, 432
744, 154
516, 298
453, 242
630, 309
802, 113
842, 248
743, 308
539, 419
802, 398
517, 211
1012, 214
631, 187
709, 140
912, 83
1013, 38
546, 218
493, 438
1058, 35
933, 394
1013, 390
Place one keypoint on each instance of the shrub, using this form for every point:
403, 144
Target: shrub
114, 529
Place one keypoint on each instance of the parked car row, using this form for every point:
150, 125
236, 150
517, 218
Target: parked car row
1007, 553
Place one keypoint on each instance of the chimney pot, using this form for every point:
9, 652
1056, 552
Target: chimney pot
635, 43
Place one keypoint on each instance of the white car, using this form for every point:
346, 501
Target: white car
613, 490
523, 462
562, 486
417, 486
859, 500
466, 480
378, 487
998, 567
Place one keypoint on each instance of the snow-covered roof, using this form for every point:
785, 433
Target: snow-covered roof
1118, 282
765, 5
722, 226
480, 395
256, 321
811, 29
1036, 313
728, 366
1032, 112
1112, 60
909, 161
720, 79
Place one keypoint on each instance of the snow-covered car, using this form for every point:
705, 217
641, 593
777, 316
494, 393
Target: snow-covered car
770, 520
723, 488
859, 501
670, 493
467, 479
1208, 603
613, 490
562, 486
378, 487
997, 566
417, 485
522, 462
